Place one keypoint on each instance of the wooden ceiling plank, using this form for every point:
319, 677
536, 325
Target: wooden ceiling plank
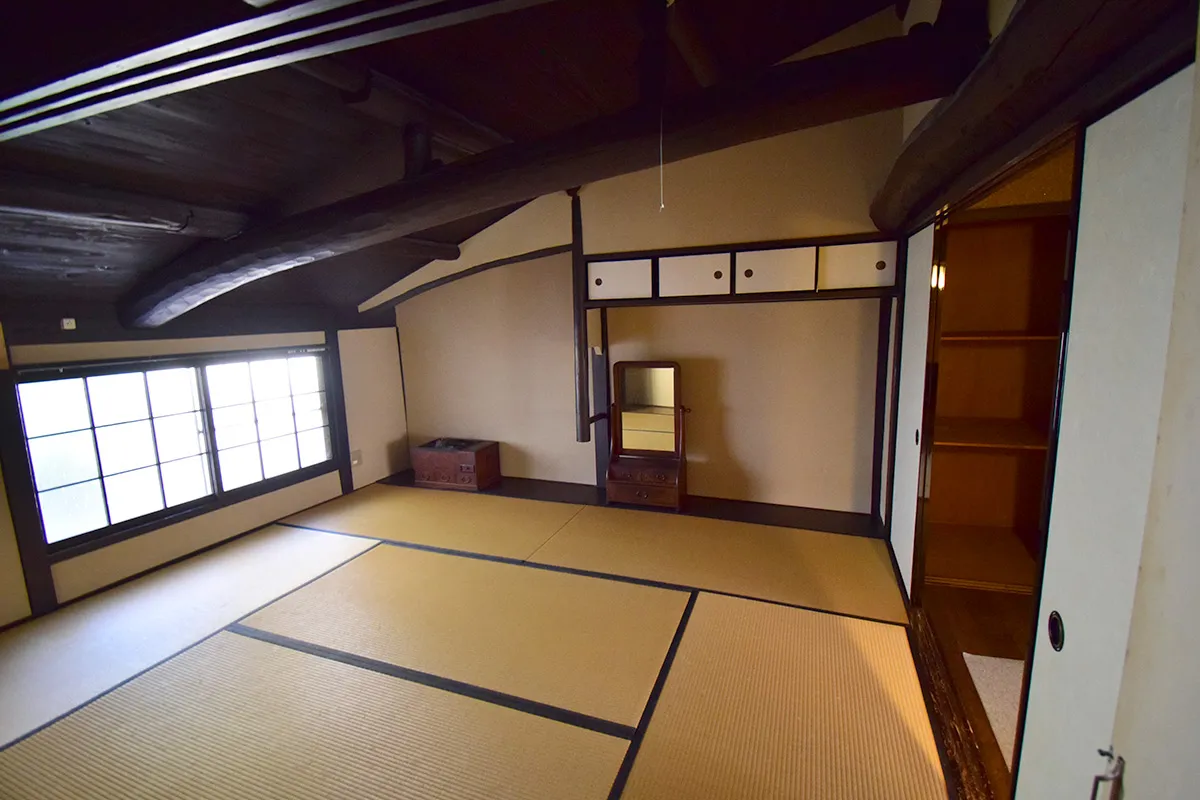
129, 82
880, 75
1053, 66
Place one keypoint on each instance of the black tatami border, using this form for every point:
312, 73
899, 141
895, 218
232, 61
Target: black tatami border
181, 651
587, 573
575, 718
639, 734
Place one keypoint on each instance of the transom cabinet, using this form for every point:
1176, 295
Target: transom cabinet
865, 265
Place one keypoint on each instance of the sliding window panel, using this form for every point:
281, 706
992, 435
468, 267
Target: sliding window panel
685, 276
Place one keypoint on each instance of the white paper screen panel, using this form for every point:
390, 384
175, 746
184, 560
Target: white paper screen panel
681, 276
612, 280
857, 266
792, 269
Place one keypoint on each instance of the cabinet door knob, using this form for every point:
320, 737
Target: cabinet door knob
718, 274
643, 495
749, 273
881, 265
599, 281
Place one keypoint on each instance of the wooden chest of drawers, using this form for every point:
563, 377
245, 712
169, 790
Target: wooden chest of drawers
466, 464
646, 481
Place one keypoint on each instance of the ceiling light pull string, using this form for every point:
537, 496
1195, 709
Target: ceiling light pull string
662, 200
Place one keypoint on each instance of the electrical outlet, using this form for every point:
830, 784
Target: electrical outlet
355, 457
67, 323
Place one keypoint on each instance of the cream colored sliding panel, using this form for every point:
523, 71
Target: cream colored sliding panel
915, 326
857, 266
1126, 257
611, 280
680, 276
791, 269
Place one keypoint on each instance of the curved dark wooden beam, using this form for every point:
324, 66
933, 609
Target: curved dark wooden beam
928, 63
1055, 64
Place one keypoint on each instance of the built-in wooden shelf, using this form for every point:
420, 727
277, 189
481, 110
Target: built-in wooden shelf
1006, 434
976, 557
986, 337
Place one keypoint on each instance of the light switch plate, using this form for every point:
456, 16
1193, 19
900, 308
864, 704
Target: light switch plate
355, 458
67, 323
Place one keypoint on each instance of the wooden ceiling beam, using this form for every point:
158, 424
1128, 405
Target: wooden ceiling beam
1053, 66
686, 34
926, 64
387, 100
83, 205
297, 33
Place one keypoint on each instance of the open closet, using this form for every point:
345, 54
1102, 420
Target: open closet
998, 283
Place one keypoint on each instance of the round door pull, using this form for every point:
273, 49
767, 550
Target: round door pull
599, 281
749, 273
1058, 633
643, 495
881, 265
718, 274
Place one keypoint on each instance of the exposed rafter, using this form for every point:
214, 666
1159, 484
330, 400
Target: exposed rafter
1054, 65
928, 63
689, 40
82, 205
297, 33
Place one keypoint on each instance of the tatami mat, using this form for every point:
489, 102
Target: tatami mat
53, 664
587, 645
477, 523
236, 718
766, 701
846, 574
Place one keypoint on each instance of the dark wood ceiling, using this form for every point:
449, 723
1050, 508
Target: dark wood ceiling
255, 143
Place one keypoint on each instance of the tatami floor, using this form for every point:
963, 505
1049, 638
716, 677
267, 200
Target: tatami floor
407, 643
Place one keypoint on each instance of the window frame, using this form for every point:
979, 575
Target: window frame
220, 497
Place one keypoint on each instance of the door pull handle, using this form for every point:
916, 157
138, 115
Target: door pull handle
1114, 775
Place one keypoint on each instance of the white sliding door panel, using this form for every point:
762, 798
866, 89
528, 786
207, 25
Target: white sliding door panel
680, 276
1135, 161
912, 401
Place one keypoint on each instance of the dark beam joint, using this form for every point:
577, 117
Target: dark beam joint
861, 80
689, 40
418, 152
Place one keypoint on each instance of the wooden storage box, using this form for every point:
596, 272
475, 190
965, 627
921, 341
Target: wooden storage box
466, 464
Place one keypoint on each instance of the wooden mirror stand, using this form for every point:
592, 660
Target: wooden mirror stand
648, 464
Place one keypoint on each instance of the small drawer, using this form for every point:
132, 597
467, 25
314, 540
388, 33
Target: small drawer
613, 280
857, 266
642, 495
792, 269
681, 276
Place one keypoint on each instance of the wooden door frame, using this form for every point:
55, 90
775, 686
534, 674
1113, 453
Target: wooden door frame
973, 770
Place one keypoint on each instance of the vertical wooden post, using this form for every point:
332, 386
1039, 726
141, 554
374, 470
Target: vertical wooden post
583, 426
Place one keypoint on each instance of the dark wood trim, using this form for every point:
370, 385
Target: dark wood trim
902, 267
403, 384
1053, 67
1035, 627
848, 523
881, 394
1003, 214
37, 322
579, 291
599, 364
339, 429
544, 710
991, 757
927, 63
22, 501
760, 297
532, 255
635, 744
309, 30
961, 760
739, 247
